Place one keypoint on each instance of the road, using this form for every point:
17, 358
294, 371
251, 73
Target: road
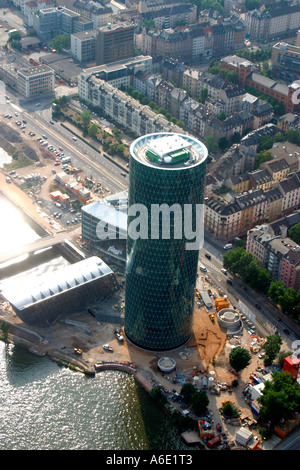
266, 322
91, 162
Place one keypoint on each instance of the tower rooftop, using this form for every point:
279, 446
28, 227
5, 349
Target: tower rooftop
169, 151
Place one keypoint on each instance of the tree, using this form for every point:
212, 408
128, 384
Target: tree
280, 398
223, 143
290, 302
222, 116
266, 142
204, 95
15, 36
236, 138
187, 391
85, 117
16, 45
252, 4
239, 358
272, 347
228, 409
261, 157
60, 42
93, 130
294, 233
276, 290
200, 402
211, 144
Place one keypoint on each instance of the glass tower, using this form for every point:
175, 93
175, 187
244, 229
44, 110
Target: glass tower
167, 171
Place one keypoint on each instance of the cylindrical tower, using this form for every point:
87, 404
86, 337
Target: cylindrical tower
167, 179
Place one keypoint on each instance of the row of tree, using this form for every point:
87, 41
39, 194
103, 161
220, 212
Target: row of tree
267, 142
143, 99
243, 264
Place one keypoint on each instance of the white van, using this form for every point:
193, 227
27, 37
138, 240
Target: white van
203, 269
228, 246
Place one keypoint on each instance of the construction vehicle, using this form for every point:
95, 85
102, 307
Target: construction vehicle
76, 350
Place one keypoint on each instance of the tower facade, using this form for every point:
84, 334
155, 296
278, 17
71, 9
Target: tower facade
166, 190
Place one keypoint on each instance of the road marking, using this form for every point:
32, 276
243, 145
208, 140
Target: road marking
79, 154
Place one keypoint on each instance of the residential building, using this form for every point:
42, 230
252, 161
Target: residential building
95, 11
260, 179
262, 111
290, 152
35, 81
239, 184
274, 203
119, 74
121, 107
290, 189
29, 8
190, 79
290, 268
278, 168
276, 20
226, 220
288, 122
171, 16
278, 254
114, 42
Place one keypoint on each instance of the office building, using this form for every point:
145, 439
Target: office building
83, 46
35, 81
169, 169
114, 42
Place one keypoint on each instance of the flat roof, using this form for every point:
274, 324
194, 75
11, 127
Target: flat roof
163, 145
108, 214
36, 70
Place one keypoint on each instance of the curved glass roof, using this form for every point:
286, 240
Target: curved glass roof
58, 281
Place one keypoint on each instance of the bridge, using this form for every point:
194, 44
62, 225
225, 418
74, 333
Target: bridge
40, 244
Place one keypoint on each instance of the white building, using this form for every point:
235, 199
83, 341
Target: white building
28, 9
35, 81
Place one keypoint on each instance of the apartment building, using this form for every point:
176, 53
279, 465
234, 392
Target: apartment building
267, 23
227, 220
290, 268
260, 179
193, 43
120, 74
122, 108
290, 189
255, 207
171, 16
29, 8
277, 168
35, 81
288, 122
114, 42
274, 254
98, 13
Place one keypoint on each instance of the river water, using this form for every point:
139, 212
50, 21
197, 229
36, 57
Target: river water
47, 407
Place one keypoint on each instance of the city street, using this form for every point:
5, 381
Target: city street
92, 163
